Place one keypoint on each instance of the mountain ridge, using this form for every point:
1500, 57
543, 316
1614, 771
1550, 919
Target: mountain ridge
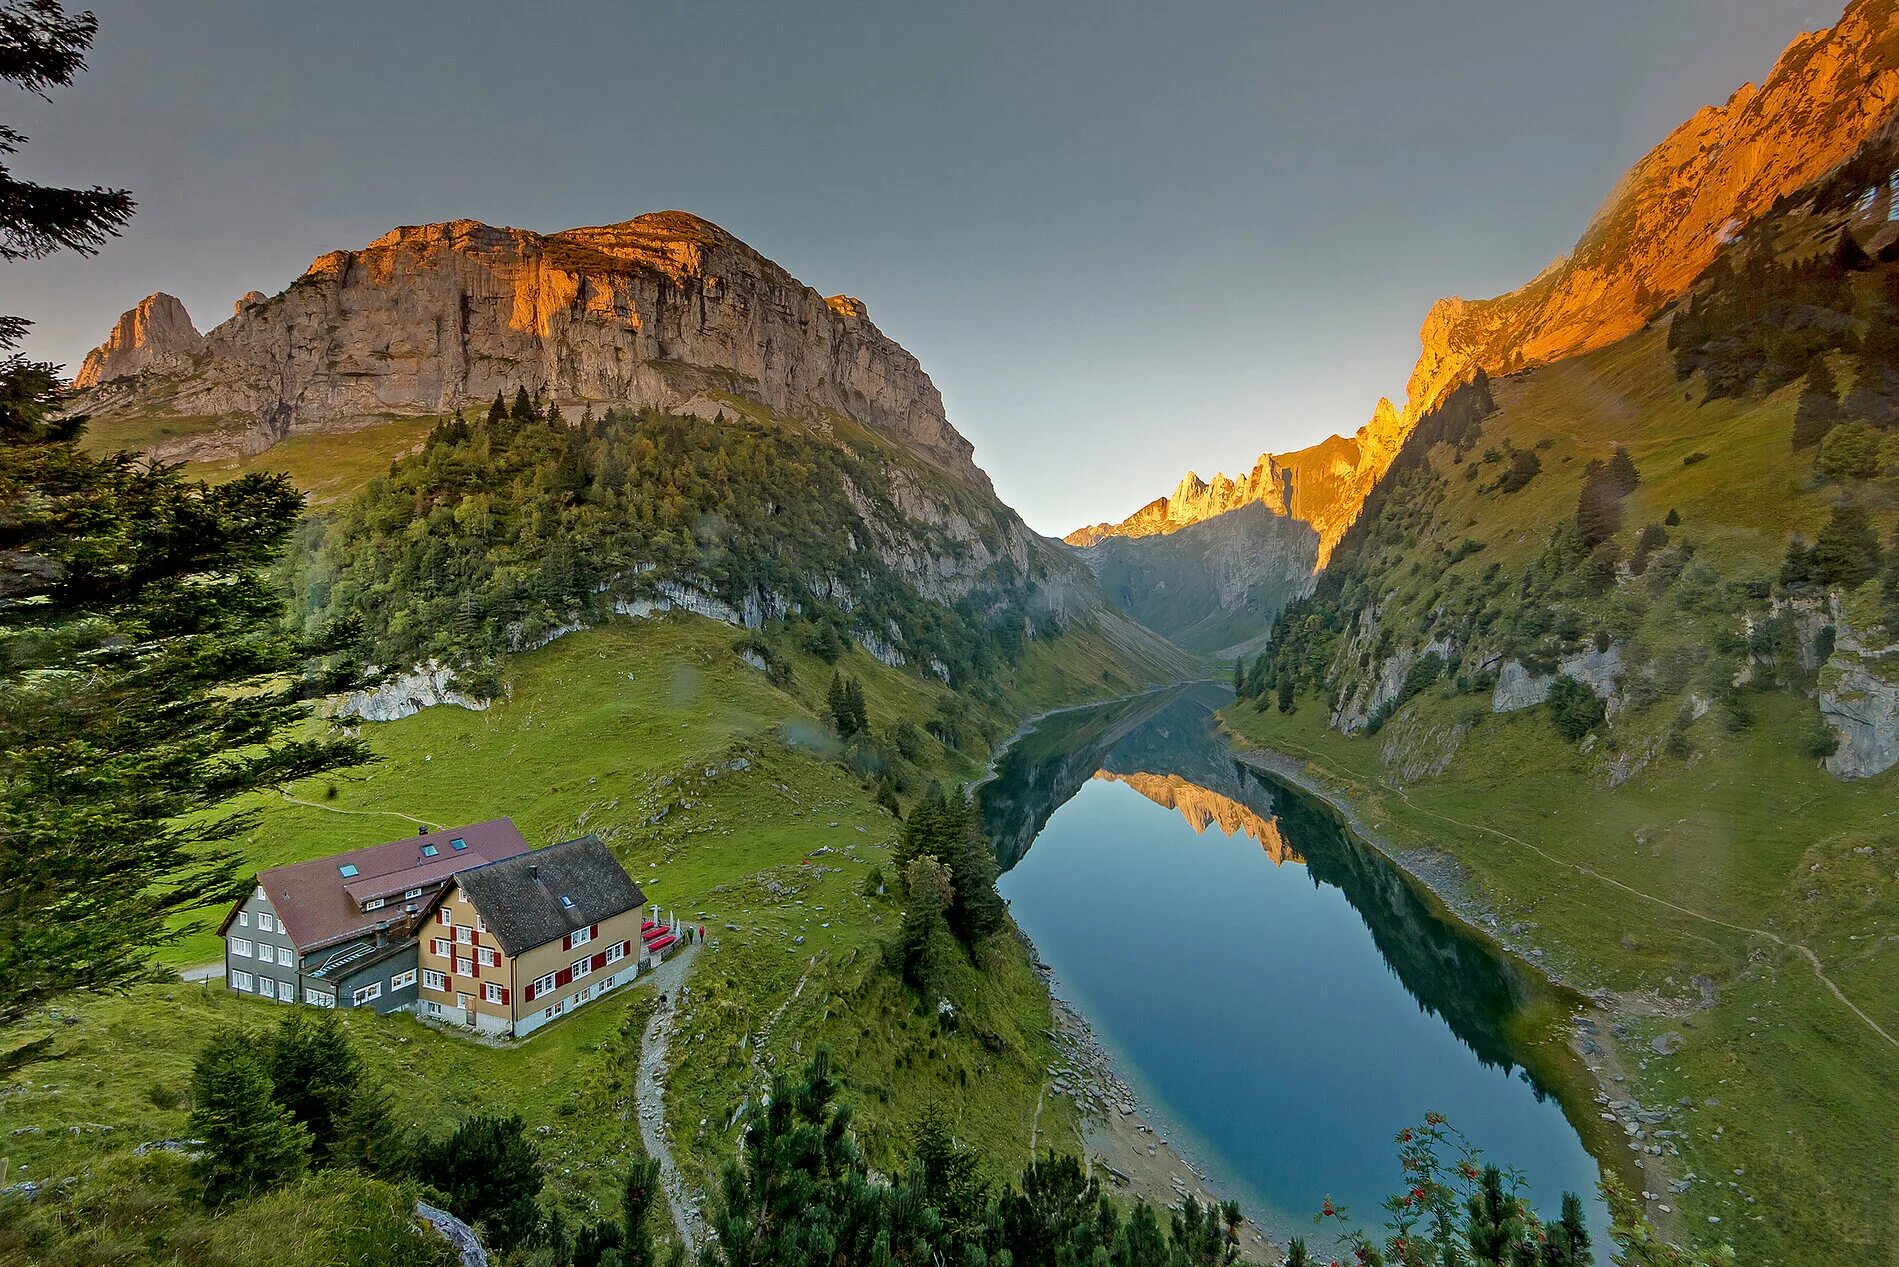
665, 310
1658, 229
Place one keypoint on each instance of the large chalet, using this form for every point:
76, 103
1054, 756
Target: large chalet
468, 925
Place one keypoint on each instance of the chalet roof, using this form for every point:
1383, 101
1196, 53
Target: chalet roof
534, 898
319, 901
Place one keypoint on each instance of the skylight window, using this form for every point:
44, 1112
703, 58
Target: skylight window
567, 901
458, 843
429, 851
348, 869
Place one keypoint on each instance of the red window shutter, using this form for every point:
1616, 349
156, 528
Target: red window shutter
562, 977
600, 961
504, 995
567, 942
626, 948
593, 930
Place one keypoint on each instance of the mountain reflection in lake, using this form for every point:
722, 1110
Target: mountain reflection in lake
1281, 996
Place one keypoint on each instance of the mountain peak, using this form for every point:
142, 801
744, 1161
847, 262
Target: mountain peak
155, 335
665, 310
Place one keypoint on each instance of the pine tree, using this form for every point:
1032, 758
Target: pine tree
1847, 550
1492, 1227
1296, 1255
523, 412
490, 1174
854, 701
977, 911
1599, 506
837, 702
928, 893
251, 1143
146, 680
1819, 407
1285, 694
316, 1075
1621, 471
498, 413
1567, 1243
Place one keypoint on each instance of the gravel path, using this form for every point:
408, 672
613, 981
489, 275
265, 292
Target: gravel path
649, 1092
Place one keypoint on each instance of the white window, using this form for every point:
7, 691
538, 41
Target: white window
438, 946
319, 1000
241, 946
488, 958
265, 923
464, 967
412, 893
260, 892
581, 967
545, 984
367, 993
267, 986
433, 980
582, 936
373, 904
464, 934
616, 952
402, 980
286, 958
243, 919
481, 925
240, 981
491, 992
442, 916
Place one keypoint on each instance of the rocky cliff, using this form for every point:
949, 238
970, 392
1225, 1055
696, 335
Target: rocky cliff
1659, 229
156, 337
665, 311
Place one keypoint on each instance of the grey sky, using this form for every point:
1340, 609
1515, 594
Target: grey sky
1125, 239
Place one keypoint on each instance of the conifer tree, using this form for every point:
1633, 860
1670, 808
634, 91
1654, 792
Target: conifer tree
1622, 471
523, 413
498, 412
490, 1174
315, 1074
251, 1143
1819, 407
144, 678
928, 893
1847, 549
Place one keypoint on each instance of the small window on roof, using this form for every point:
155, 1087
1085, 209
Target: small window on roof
348, 869
458, 843
429, 851
566, 901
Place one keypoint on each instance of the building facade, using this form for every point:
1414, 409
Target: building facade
511, 945
340, 931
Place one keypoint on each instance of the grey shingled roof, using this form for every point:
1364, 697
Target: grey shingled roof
520, 898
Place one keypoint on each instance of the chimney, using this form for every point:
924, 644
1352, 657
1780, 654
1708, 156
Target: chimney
534, 872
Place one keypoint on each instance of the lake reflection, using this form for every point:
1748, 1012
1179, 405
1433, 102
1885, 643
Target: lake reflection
1279, 994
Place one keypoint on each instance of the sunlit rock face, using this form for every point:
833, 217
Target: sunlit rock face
1203, 809
1658, 230
155, 337
665, 311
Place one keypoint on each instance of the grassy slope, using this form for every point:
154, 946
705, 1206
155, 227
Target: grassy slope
633, 731
1749, 833
328, 467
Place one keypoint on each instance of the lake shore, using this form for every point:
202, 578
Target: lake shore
1591, 1031
1137, 1158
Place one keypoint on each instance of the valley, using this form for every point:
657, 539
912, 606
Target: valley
1469, 839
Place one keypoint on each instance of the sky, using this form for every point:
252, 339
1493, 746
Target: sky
1125, 239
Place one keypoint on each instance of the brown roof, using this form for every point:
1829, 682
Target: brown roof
319, 904
533, 898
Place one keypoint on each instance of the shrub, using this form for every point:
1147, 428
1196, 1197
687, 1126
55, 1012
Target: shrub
1575, 708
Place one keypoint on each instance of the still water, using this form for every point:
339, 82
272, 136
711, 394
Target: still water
1278, 994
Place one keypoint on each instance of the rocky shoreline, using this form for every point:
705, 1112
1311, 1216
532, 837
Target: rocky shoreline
1595, 1032
1137, 1158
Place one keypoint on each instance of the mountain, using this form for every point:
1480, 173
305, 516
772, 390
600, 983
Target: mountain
1664, 223
663, 311
693, 429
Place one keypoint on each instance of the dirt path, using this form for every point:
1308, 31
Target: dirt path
1813, 960
359, 813
649, 1093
